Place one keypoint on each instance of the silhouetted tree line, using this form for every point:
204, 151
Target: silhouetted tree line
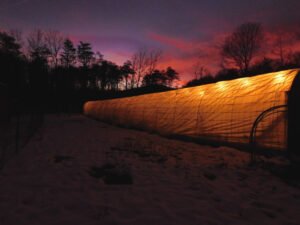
48, 70
239, 49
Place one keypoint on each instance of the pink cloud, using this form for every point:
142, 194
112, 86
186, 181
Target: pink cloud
182, 55
172, 42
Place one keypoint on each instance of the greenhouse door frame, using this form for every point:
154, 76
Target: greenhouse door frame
294, 117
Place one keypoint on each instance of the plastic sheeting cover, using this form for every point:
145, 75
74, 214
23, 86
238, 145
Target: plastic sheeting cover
223, 111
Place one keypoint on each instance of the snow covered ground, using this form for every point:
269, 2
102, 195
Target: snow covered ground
69, 173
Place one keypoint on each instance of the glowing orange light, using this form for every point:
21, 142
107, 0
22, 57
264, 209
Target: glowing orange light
279, 78
246, 82
201, 93
221, 86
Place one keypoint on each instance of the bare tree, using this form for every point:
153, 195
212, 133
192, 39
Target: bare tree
55, 42
242, 45
17, 35
281, 49
140, 64
36, 39
144, 61
199, 70
152, 58
37, 46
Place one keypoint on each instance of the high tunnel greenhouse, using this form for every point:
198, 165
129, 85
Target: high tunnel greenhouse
263, 109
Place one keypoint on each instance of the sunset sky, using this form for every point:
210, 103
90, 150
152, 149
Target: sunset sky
186, 30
